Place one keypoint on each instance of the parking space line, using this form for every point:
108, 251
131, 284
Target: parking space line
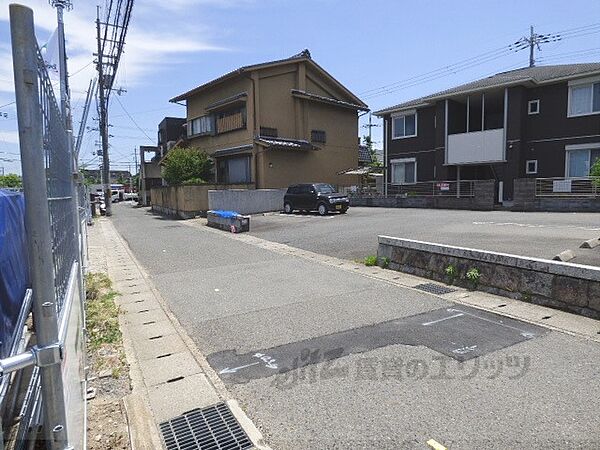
435, 445
442, 319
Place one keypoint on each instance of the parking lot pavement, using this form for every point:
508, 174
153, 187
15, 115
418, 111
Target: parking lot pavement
354, 235
323, 357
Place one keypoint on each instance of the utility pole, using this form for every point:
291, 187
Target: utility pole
111, 40
103, 121
533, 41
137, 188
370, 126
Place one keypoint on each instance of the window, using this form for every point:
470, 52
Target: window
531, 166
579, 161
234, 170
404, 171
268, 132
201, 125
231, 120
584, 99
318, 136
404, 126
533, 107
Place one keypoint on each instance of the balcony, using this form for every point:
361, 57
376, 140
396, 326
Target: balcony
476, 147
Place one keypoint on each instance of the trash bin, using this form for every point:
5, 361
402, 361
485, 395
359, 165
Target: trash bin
228, 221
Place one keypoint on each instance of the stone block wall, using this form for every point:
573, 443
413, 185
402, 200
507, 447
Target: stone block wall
569, 287
525, 200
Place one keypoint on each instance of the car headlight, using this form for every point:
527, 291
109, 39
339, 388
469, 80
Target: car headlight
332, 200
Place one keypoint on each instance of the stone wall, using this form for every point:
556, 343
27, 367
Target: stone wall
483, 200
569, 287
525, 200
246, 201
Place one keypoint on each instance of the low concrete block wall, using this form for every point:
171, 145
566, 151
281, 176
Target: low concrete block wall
526, 200
570, 287
482, 200
186, 201
246, 201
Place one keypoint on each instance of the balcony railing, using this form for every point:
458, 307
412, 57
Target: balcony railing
567, 187
476, 147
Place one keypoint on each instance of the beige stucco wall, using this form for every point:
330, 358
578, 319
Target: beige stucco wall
187, 199
294, 118
196, 107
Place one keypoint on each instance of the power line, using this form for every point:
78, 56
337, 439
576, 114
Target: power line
133, 120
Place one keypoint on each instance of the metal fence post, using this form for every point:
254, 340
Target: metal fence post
37, 218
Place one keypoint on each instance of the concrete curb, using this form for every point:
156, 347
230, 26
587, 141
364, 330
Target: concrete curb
158, 399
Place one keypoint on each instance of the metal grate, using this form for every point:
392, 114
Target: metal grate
214, 427
433, 288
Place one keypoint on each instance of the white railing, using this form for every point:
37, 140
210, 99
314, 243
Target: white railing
567, 187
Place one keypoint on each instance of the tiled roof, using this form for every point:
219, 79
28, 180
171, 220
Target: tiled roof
333, 101
293, 144
534, 75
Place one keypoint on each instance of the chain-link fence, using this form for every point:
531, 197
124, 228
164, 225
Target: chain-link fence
49, 375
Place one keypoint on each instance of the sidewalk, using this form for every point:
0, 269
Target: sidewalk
169, 377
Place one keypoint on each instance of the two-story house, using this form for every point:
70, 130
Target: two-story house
275, 124
532, 122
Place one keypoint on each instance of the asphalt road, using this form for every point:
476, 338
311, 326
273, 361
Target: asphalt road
354, 235
369, 364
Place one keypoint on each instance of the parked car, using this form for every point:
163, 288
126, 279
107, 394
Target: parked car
130, 196
319, 197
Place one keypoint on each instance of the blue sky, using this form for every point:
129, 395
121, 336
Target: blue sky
174, 45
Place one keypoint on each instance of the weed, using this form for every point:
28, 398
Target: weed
102, 313
370, 260
473, 277
385, 262
451, 273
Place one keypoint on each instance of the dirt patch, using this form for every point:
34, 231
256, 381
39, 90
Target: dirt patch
108, 375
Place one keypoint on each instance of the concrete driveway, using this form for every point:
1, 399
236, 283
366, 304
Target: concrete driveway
321, 357
354, 235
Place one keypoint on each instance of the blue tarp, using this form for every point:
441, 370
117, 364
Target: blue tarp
14, 273
225, 214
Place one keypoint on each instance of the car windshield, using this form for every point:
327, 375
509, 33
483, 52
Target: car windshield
325, 188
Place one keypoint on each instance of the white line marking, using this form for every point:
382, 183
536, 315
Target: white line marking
235, 369
442, 319
525, 334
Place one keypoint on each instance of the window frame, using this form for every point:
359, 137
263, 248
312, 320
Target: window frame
579, 83
533, 102
531, 172
404, 114
208, 117
577, 147
393, 163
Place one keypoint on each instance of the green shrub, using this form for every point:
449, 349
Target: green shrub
595, 173
187, 166
385, 262
371, 260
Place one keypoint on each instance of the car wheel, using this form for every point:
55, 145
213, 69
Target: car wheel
322, 209
287, 208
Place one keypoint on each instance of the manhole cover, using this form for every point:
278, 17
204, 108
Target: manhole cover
214, 427
433, 288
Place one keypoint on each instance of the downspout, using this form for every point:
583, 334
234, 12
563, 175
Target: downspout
385, 158
254, 130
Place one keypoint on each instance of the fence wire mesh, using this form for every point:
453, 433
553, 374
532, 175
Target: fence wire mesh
59, 182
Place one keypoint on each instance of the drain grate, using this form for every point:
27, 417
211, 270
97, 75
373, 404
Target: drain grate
433, 288
214, 427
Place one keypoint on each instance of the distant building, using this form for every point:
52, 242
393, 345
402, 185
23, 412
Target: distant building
116, 176
273, 124
526, 123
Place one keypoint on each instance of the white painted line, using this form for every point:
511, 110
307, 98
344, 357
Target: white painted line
235, 369
442, 319
435, 445
523, 333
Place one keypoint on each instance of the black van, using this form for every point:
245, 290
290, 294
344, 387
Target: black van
319, 197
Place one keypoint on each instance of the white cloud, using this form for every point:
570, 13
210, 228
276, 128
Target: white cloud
151, 45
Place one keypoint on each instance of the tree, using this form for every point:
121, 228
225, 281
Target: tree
187, 166
368, 142
11, 181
